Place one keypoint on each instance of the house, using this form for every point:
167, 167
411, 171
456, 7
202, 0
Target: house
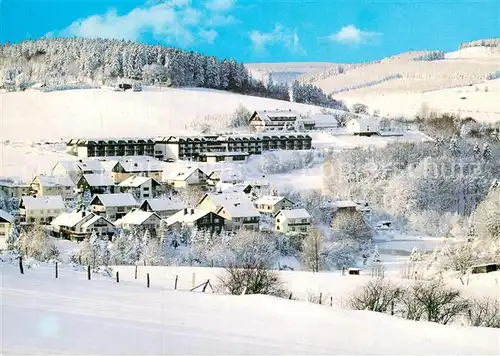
293, 221
79, 224
363, 126
200, 219
272, 120
164, 207
145, 167
185, 176
229, 176
45, 185
112, 147
40, 210
324, 121
96, 184
140, 187
6, 222
13, 189
113, 206
76, 168
270, 204
140, 220
214, 157
240, 214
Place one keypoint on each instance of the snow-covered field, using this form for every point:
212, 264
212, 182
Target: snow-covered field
70, 315
284, 72
455, 84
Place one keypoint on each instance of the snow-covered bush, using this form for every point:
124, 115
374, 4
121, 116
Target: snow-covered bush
273, 162
493, 76
484, 312
34, 243
378, 295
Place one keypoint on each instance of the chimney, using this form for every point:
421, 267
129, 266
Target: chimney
185, 211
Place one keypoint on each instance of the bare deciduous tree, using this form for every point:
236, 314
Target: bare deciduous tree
378, 295
484, 312
312, 251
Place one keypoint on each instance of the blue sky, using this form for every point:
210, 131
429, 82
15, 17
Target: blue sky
262, 30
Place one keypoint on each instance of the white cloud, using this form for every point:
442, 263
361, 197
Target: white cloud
351, 35
208, 36
172, 21
280, 35
220, 5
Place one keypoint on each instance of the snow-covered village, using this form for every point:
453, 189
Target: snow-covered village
168, 197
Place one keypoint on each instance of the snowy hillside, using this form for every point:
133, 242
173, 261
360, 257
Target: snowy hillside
100, 113
459, 83
70, 315
285, 72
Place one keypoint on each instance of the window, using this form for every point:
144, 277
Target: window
216, 221
304, 220
303, 229
277, 220
146, 189
236, 219
277, 227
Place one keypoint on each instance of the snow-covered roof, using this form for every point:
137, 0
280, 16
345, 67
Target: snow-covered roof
181, 173
5, 216
366, 120
136, 217
99, 180
13, 184
231, 187
344, 204
52, 202
275, 115
134, 181
192, 215
82, 165
240, 209
54, 180
269, 200
118, 199
163, 204
324, 120
226, 175
295, 214
72, 218
221, 199
147, 165
93, 220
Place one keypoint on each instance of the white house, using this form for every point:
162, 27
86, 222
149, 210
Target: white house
138, 219
140, 187
293, 221
76, 168
270, 204
229, 176
164, 207
180, 176
43, 185
78, 225
272, 120
324, 121
363, 126
113, 206
6, 222
40, 210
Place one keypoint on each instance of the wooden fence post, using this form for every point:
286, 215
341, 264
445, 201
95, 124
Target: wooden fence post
135, 272
320, 297
88, 273
205, 286
21, 268
147, 280
290, 297
176, 278
57, 271
117, 277
194, 280
331, 301
392, 308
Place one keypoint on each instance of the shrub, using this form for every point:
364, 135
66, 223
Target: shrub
378, 295
251, 279
484, 312
435, 302
431, 56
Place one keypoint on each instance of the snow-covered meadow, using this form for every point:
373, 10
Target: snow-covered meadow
71, 315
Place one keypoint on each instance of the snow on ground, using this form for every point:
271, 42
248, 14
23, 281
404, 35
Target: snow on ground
102, 113
70, 315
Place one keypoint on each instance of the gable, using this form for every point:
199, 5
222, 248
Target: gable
255, 117
96, 201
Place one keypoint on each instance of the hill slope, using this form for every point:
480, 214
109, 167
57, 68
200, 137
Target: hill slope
71, 315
